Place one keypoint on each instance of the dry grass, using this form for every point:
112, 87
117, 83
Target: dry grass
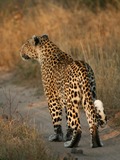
82, 33
19, 139
94, 37
20, 142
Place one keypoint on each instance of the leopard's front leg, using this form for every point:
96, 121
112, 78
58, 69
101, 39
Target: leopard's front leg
69, 130
74, 129
56, 114
72, 115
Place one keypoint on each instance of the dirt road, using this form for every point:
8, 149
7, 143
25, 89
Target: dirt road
34, 107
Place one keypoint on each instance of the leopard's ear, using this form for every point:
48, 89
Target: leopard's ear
39, 39
36, 40
45, 37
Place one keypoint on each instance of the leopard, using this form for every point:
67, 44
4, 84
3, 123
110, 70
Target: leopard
68, 84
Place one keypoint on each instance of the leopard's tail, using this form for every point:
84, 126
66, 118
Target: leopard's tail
102, 118
99, 105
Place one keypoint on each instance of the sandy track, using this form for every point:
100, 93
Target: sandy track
35, 109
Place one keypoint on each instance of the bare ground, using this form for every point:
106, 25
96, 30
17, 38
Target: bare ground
34, 108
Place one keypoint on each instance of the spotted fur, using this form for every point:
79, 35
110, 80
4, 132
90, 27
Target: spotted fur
67, 83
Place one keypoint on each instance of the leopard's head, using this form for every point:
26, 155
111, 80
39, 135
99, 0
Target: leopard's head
32, 48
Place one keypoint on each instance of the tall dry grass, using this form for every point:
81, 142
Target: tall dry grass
19, 139
20, 142
93, 37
